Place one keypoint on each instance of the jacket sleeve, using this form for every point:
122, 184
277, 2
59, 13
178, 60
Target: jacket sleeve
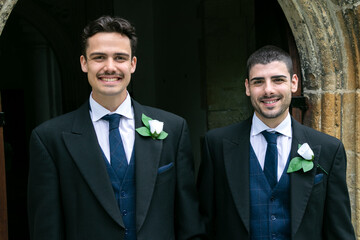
187, 217
44, 203
205, 185
337, 216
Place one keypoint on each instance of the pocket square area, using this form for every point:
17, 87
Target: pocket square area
165, 167
318, 178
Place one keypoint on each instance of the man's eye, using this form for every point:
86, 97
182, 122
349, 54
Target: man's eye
120, 58
279, 80
257, 82
98, 57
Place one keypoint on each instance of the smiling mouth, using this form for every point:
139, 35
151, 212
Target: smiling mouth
109, 79
270, 101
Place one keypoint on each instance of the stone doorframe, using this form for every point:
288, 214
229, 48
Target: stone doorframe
6, 6
328, 40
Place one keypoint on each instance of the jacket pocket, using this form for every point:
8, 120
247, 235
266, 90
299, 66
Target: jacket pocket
165, 168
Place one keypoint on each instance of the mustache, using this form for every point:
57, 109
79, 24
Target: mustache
119, 75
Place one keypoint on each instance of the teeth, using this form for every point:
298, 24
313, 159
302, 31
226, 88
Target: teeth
109, 79
269, 102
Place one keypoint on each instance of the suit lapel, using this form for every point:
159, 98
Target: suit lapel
236, 160
147, 158
84, 148
300, 183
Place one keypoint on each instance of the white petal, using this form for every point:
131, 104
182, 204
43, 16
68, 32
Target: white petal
305, 151
156, 126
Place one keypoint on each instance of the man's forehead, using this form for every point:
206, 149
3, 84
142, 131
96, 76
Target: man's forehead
273, 68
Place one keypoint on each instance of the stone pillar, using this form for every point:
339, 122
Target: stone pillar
328, 39
6, 6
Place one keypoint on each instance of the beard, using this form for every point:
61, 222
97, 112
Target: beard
270, 112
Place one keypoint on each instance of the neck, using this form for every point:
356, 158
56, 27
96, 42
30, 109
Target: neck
272, 122
111, 103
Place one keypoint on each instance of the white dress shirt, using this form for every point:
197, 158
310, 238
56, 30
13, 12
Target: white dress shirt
259, 143
126, 125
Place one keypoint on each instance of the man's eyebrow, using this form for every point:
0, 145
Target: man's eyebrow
103, 54
279, 76
97, 54
272, 77
121, 54
257, 78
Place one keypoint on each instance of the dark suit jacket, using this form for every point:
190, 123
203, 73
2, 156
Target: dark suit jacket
70, 195
320, 206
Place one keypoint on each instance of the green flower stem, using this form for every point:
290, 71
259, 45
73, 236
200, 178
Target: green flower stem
318, 165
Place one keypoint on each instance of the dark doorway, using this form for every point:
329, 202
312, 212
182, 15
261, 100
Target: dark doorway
31, 94
272, 28
41, 78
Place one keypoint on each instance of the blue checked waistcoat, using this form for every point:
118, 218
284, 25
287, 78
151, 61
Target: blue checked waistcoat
123, 183
269, 208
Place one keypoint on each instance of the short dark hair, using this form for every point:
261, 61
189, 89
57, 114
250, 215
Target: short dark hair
268, 54
109, 24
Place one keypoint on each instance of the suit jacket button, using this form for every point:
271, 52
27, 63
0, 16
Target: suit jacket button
273, 217
124, 212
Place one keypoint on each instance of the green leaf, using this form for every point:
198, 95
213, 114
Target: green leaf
299, 145
143, 131
145, 119
162, 135
295, 164
307, 165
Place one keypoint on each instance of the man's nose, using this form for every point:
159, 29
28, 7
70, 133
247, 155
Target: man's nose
110, 65
268, 87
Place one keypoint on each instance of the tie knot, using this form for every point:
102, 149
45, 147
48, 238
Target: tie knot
270, 137
113, 120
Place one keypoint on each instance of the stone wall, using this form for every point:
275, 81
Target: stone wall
328, 39
229, 37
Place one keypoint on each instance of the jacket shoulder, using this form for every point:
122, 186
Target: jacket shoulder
58, 123
233, 131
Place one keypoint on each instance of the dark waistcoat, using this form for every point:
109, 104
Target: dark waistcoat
123, 183
269, 208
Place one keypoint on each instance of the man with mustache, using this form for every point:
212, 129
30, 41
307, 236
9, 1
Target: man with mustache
270, 177
109, 170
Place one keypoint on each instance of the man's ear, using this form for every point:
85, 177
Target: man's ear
133, 64
83, 64
294, 83
247, 87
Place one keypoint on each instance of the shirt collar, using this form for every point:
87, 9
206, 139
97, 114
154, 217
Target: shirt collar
284, 127
97, 111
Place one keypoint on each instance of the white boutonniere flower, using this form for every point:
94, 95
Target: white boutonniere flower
306, 152
156, 127
304, 162
152, 128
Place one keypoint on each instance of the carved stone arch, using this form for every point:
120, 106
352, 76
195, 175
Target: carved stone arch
6, 6
327, 37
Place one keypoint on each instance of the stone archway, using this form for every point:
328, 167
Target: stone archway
328, 39
6, 6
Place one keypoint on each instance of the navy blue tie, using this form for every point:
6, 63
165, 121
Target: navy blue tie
271, 158
117, 152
